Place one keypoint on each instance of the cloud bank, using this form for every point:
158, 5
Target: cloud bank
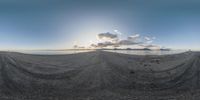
107, 35
112, 40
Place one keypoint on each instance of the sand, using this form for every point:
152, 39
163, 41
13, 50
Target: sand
99, 75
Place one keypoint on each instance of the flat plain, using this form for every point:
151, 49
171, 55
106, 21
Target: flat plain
99, 75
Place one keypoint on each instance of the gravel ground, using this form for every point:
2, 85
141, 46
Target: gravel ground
99, 75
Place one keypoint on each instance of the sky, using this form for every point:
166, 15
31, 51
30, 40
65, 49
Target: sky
61, 24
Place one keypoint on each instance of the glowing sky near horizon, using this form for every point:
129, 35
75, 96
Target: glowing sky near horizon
60, 24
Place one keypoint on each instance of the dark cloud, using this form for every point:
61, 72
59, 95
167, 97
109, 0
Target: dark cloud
112, 40
105, 44
78, 47
115, 41
94, 45
107, 35
127, 42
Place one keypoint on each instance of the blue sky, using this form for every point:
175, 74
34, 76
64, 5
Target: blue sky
60, 24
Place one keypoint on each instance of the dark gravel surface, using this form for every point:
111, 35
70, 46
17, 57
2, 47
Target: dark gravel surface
99, 75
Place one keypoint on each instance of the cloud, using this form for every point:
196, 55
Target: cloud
105, 44
133, 37
149, 40
127, 42
107, 35
131, 40
94, 45
118, 32
78, 47
113, 40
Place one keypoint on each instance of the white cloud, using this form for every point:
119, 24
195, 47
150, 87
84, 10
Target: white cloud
133, 37
118, 32
148, 42
147, 38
